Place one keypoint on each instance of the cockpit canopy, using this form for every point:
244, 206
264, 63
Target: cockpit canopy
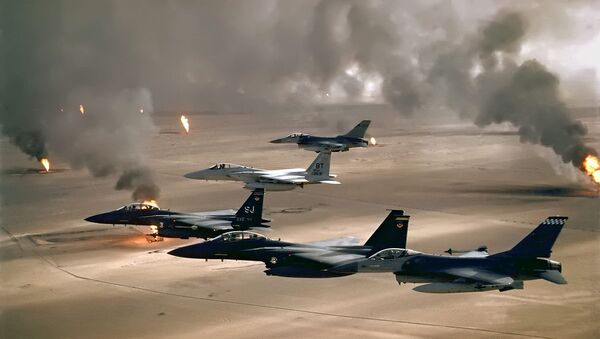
238, 236
295, 135
393, 253
139, 206
224, 166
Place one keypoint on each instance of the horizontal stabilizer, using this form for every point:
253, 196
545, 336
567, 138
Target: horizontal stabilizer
553, 276
331, 182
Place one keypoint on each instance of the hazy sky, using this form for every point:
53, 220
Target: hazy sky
263, 56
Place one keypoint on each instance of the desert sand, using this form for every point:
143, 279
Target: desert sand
463, 186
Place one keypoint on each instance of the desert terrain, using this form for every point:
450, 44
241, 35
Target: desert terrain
61, 277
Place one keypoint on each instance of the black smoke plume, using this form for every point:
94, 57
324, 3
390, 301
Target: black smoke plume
116, 57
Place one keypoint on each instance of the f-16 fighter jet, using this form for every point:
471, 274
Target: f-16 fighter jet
169, 224
473, 271
386, 251
340, 143
272, 180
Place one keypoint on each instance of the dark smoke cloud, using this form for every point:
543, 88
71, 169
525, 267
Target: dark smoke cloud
139, 180
530, 101
260, 56
56, 56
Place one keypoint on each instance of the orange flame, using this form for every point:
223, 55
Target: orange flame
81, 109
591, 166
373, 141
46, 163
186, 123
150, 202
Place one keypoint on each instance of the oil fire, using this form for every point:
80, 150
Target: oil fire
150, 202
46, 163
81, 109
373, 141
186, 123
591, 166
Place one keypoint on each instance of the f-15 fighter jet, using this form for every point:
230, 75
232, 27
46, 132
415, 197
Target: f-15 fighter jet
309, 260
169, 224
340, 143
272, 180
385, 251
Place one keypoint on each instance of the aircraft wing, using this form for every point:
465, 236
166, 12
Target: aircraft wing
331, 144
475, 254
189, 220
322, 256
326, 257
341, 241
215, 213
287, 178
331, 258
473, 273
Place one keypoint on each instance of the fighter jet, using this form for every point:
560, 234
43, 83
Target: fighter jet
308, 260
386, 251
340, 143
170, 224
272, 180
473, 271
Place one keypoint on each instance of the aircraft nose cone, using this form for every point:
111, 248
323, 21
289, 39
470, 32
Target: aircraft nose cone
195, 175
276, 141
101, 218
187, 252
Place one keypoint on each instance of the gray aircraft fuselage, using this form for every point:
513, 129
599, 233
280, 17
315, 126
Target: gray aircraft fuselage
312, 260
166, 222
309, 142
428, 268
277, 255
171, 224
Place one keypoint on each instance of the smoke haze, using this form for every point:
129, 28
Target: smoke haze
116, 57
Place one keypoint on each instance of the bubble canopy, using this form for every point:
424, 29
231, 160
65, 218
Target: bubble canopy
138, 206
393, 253
238, 236
224, 166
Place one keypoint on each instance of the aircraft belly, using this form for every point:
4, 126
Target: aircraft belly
270, 186
415, 279
449, 287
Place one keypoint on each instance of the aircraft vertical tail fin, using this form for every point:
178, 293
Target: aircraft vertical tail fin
538, 243
319, 169
392, 232
250, 214
359, 130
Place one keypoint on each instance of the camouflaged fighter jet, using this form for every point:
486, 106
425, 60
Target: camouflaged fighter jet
474, 271
340, 143
300, 260
169, 224
272, 180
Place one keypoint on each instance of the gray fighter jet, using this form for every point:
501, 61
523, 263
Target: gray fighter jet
170, 224
272, 180
340, 143
473, 271
386, 251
